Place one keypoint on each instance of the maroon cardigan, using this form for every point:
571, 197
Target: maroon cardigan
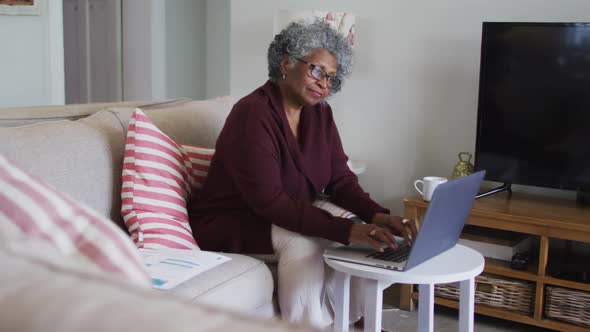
260, 175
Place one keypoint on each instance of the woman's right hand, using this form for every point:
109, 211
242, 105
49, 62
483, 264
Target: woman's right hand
372, 235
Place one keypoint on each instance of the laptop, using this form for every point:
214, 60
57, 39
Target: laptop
439, 231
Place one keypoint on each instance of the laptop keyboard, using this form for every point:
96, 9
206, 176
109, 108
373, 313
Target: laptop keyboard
392, 255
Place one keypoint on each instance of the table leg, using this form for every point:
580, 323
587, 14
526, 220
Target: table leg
341, 301
374, 304
426, 308
466, 305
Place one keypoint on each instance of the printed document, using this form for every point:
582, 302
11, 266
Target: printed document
170, 267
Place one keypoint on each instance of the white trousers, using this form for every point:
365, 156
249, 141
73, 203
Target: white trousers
306, 283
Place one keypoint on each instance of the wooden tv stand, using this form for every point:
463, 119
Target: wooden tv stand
542, 217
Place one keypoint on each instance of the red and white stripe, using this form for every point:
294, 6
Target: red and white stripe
159, 176
32, 208
200, 160
333, 209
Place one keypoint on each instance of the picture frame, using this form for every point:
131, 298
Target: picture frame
20, 7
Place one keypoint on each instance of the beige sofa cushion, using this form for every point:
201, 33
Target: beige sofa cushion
196, 122
82, 158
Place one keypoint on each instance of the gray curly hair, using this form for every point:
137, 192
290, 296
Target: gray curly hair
298, 39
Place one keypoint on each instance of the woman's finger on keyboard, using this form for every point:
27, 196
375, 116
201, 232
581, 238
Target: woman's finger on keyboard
375, 244
410, 229
384, 235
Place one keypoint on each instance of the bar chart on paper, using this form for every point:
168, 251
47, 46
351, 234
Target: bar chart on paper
171, 267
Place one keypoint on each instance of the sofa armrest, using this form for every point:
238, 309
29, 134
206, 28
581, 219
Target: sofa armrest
40, 295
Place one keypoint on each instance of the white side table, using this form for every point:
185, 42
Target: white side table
459, 263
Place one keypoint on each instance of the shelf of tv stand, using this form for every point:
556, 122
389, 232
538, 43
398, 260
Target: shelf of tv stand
512, 316
545, 218
502, 268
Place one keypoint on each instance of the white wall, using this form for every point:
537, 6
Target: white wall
411, 103
31, 61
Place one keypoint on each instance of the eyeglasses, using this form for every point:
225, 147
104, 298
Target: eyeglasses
319, 74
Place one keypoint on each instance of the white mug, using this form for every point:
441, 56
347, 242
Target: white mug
429, 183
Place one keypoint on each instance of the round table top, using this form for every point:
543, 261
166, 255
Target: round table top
456, 264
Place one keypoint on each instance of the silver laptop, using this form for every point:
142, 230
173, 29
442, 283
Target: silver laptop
439, 230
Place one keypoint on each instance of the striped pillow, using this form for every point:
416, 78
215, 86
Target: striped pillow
31, 209
159, 176
334, 209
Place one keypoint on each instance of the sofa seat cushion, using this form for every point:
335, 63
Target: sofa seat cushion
243, 284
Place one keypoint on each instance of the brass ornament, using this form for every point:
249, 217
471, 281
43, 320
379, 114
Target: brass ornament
463, 167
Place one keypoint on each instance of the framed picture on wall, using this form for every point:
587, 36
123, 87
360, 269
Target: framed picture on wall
20, 7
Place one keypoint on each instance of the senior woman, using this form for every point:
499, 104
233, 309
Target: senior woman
279, 149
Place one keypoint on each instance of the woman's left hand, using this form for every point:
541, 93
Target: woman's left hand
397, 225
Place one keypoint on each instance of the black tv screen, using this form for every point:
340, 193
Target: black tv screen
533, 125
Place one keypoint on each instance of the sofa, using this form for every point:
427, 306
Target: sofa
78, 149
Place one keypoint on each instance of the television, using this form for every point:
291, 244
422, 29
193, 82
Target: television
533, 117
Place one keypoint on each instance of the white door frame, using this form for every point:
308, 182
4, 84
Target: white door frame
108, 61
144, 49
158, 48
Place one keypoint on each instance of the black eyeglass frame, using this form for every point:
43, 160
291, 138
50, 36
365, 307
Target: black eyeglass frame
333, 81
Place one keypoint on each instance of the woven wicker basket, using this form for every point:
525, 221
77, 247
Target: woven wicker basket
572, 306
496, 292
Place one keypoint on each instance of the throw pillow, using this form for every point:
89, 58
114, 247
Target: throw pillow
159, 176
333, 209
29, 208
